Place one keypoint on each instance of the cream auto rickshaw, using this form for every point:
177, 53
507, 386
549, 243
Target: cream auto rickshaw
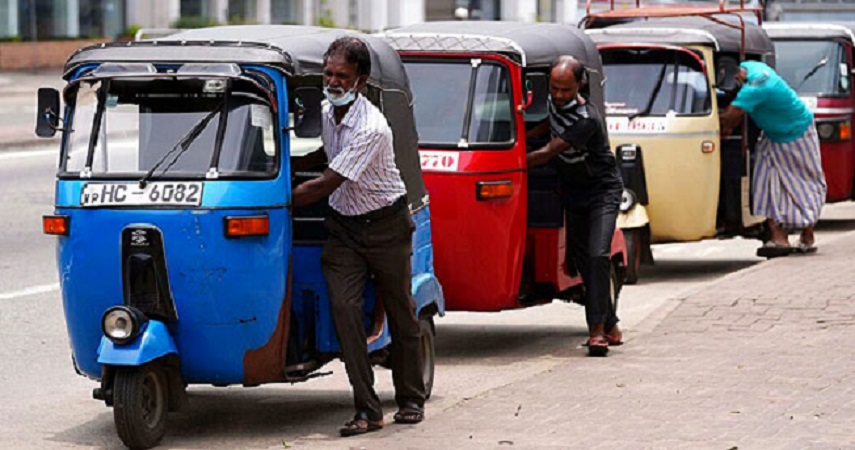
667, 79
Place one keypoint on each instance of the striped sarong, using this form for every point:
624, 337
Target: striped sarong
789, 186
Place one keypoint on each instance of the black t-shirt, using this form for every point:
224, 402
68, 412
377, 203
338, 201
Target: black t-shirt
589, 161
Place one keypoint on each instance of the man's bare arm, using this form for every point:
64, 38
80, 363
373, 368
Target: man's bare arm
542, 155
539, 130
729, 119
316, 189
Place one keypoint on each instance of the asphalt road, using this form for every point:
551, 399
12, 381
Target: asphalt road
46, 405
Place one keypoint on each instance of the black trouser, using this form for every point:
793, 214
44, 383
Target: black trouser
377, 244
591, 217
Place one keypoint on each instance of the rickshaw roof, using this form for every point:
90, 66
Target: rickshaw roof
686, 31
296, 50
811, 30
530, 44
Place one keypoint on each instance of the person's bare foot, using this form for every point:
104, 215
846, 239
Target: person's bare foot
614, 335
777, 234
807, 238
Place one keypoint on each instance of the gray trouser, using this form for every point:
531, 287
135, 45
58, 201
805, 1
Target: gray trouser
377, 244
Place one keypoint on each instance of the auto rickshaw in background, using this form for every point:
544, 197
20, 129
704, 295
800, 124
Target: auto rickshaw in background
498, 227
683, 181
179, 257
816, 60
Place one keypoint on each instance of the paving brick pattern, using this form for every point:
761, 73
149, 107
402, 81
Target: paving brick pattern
761, 359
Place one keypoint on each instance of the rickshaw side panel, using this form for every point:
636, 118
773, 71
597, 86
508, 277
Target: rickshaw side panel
223, 289
479, 245
682, 180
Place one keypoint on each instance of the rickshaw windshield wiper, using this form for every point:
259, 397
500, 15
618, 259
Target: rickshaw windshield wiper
653, 94
182, 144
822, 62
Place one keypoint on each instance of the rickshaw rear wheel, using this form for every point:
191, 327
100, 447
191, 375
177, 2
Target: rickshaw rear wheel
428, 332
140, 404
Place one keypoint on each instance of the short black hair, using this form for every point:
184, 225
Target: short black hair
354, 51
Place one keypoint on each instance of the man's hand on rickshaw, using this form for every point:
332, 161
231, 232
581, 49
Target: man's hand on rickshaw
541, 156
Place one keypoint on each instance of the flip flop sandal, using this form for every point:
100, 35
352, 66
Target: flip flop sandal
804, 249
598, 346
773, 250
360, 424
409, 413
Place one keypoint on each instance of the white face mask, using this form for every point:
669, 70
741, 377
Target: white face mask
340, 98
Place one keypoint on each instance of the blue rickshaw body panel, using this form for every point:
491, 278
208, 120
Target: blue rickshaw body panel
227, 292
153, 342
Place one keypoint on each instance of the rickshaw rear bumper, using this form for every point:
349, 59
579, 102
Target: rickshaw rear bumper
152, 343
636, 217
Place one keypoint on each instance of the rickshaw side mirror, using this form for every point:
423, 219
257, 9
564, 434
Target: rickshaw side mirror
537, 90
307, 119
47, 114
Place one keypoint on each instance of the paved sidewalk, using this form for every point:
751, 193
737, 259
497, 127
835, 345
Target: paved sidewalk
18, 107
761, 359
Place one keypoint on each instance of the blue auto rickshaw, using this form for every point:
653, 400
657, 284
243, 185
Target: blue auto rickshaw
179, 257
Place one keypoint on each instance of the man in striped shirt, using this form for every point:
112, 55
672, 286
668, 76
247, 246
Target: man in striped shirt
370, 235
591, 188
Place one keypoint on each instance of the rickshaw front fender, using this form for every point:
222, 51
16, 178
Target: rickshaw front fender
636, 217
152, 343
426, 291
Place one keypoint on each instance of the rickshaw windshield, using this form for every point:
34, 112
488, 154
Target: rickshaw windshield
458, 101
655, 82
813, 67
173, 128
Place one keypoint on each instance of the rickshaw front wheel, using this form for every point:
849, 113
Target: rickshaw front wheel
140, 404
429, 351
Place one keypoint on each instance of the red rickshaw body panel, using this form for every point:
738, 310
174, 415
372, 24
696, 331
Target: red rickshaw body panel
838, 157
479, 244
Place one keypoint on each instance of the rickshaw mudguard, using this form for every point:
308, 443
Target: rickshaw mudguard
427, 291
636, 217
153, 342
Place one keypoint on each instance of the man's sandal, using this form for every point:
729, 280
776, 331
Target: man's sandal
360, 424
598, 346
409, 413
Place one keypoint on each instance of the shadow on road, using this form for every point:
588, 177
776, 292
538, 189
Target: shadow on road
691, 270
506, 344
838, 225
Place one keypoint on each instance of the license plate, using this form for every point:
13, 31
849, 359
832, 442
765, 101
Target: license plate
130, 194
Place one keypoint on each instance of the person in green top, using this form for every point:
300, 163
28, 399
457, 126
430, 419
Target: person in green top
789, 186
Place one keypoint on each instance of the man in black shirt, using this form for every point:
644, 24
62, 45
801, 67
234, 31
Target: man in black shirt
590, 188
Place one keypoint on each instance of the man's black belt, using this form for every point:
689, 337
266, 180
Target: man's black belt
377, 214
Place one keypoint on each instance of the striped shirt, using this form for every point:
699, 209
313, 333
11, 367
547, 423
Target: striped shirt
589, 160
360, 149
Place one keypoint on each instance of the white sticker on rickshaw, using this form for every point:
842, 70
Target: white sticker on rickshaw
439, 161
810, 102
130, 194
639, 125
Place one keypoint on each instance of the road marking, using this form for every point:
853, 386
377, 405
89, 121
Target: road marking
32, 290
28, 154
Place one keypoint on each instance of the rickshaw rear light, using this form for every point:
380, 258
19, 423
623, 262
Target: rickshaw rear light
247, 226
486, 190
707, 147
845, 130
57, 225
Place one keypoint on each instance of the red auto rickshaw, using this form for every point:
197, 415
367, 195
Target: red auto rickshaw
498, 227
816, 60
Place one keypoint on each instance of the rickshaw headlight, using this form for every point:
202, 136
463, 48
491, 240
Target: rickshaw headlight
627, 200
825, 130
122, 324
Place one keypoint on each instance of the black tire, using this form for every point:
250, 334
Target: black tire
140, 405
429, 351
633, 254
